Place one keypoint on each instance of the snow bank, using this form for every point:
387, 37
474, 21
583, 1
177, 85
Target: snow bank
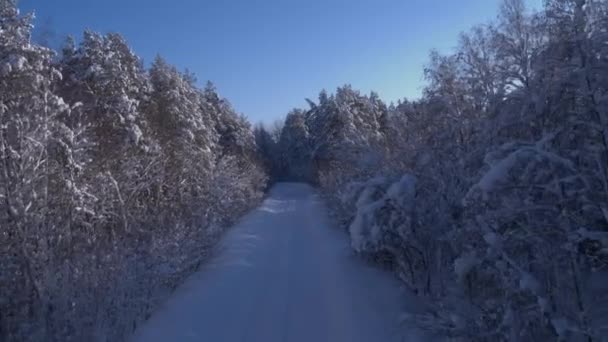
377, 202
506, 165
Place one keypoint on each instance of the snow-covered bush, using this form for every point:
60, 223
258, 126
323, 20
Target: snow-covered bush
541, 243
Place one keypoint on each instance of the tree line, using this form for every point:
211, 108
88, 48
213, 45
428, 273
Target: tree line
115, 179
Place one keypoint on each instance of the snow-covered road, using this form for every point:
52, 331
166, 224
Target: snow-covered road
284, 274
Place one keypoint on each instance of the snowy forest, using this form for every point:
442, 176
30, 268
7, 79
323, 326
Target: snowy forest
487, 196
115, 180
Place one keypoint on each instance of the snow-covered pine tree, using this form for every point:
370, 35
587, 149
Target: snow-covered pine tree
36, 156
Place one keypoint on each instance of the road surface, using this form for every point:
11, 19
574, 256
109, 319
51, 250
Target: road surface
285, 274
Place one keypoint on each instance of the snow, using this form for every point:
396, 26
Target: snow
370, 192
17, 62
593, 235
403, 191
499, 169
527, 282
285, 274
351, 192
93, 70
491, 239
6, 69
135, 134
561, 326
56, 74
497, 173
464, 264
365, 233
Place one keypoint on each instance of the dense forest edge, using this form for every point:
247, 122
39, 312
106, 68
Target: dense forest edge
488, 196
115, 182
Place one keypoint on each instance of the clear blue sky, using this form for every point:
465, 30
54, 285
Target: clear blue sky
266, 56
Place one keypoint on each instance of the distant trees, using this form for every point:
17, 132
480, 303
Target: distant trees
489, 194
341, 131
267, 141
114, 182
294, 147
